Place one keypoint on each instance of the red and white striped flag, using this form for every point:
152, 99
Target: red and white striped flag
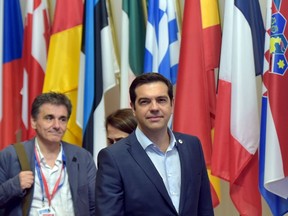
237, 128
35, 49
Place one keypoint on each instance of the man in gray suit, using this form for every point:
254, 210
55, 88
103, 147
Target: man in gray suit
153, 171
62, 176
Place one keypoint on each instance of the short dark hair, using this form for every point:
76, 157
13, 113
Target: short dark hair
54, 98
123, 120
149, 78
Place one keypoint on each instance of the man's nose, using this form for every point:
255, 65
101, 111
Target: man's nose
154, 105
56, 123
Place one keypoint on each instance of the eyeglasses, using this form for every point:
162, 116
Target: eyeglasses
112, 141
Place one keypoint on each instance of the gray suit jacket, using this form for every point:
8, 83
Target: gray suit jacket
128, 183
81, 170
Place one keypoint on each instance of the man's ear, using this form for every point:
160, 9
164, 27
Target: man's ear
173, 105
132, 107
33, 123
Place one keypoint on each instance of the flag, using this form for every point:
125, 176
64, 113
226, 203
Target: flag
195, 99
64, 59
133, 45
11, 72
35, 49
273, 158
237, 127
1, 70
162, 43
99, 74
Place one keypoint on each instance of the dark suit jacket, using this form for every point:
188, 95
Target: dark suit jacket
81, 170
128, 183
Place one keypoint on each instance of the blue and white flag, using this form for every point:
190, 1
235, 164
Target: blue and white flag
98, 75
162, 43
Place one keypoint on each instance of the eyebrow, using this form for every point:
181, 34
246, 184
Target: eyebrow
161, 96
53, 116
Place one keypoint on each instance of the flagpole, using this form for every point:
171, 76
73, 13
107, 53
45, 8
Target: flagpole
115, 43
144, 4
179, 15
50, 11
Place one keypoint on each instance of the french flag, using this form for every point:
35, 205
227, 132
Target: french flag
273, 172
237, 125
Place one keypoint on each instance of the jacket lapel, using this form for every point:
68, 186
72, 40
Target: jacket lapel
141, 157
72, 166
185, 167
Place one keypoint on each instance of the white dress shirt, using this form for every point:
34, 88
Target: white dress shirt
167, 164
62, 202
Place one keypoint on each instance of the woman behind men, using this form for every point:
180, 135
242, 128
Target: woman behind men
120, 124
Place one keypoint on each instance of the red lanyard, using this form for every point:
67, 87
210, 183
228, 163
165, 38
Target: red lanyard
43, 180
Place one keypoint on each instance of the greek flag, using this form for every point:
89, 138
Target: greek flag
162, 44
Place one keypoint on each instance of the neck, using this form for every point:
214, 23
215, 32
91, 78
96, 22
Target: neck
50, 151
161, 139
49, 148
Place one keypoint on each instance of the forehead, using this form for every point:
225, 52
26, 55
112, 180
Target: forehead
53, 109
154, 89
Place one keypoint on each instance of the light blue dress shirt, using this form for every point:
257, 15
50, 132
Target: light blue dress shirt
167, 164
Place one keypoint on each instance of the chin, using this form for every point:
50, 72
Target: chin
156, 127
55, 139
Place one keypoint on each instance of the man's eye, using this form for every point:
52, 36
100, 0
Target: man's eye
162, 100
49, 117
63, 119
143, 102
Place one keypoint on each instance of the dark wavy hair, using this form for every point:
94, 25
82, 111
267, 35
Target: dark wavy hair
54, 98
149, 78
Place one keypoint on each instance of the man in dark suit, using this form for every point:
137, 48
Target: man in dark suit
62, 176
154, 171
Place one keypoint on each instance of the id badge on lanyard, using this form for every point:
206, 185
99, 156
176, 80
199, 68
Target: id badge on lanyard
48, 211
